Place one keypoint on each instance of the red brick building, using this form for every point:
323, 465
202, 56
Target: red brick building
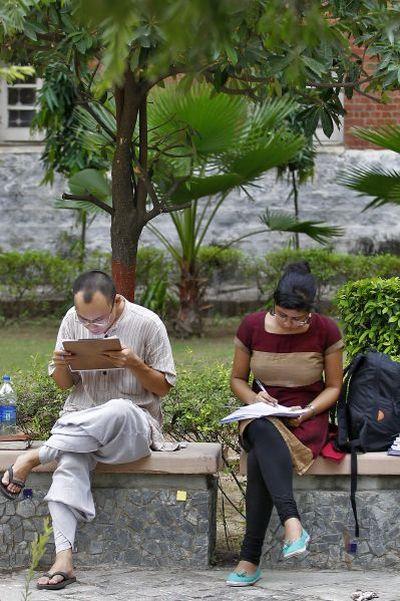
365, 112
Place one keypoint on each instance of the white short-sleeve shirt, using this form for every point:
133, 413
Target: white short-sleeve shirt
144, 332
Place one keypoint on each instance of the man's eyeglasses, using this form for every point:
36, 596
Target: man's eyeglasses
96, 322
298, 321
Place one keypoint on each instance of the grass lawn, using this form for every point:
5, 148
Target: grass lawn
20, 342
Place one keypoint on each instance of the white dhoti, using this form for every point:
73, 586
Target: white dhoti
115, 432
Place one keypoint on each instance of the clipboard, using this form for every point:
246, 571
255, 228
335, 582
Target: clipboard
87, 353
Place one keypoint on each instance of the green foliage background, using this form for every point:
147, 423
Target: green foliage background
370, 310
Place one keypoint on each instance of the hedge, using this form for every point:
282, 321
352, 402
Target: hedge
331, 269
370, 313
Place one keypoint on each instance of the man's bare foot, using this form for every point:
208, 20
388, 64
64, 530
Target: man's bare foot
246, 566
293, 529
21, 468
63, 563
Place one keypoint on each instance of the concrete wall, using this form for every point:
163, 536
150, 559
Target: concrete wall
28, 219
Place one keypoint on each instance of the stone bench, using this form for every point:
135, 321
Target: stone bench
323, 497
159, 511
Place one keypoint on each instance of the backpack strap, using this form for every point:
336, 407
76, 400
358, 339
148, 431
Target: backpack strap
353, 366
353, 489
340, 409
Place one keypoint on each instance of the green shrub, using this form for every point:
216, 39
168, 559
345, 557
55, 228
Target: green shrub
98, 259
224, 260
370, 312
35, 273
194, 407
151, 265
192, 410
39, 401
331, 269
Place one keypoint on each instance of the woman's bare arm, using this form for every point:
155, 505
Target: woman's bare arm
333, 369
240, 381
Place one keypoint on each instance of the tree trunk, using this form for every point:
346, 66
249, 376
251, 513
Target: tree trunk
191, 289
296, 208
124, 277
127, 221
82, 250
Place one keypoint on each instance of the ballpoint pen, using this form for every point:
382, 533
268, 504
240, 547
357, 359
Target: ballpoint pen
260, 385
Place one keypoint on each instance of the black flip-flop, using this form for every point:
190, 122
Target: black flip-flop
3, 487
59, 585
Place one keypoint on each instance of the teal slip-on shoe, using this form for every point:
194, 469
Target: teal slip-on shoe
243, 578
297, 547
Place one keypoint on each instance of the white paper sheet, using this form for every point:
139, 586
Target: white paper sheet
261, 410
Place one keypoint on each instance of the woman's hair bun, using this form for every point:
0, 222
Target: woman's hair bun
296, 288
298, 267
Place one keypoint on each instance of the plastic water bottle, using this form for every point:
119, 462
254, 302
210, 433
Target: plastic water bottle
8, 409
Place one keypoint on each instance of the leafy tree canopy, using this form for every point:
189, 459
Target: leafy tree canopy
256, 47
103, 55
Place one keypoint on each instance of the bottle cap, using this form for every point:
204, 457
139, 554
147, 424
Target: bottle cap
6, 378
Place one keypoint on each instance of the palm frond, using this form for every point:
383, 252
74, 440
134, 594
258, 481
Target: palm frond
92, 136
386, 136
285, 222
244, 169
74, 205
263, 119
90, 181
198, 120
380, 183
279, 149
199, 187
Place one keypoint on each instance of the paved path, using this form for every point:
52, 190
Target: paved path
136, 584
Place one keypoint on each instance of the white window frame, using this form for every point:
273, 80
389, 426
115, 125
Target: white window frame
16, 134
337, 137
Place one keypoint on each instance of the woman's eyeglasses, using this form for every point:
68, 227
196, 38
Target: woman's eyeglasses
298, 321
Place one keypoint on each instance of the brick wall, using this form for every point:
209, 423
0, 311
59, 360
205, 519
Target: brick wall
366, 112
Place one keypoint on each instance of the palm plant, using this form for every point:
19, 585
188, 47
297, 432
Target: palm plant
299, 169
86, 212
200, 145
254, 134
382, 184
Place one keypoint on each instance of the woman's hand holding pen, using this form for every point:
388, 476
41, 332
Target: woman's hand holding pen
264, 397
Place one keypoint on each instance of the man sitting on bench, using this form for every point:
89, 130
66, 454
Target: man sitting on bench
111, 416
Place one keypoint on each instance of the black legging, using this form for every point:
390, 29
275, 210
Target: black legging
269, 483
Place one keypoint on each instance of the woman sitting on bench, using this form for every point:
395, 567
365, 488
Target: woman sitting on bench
296, 354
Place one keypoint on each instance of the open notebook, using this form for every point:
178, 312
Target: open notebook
261, 410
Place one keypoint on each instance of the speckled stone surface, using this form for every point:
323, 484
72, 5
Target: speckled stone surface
29, 219
324, 506
139, 522
106, 582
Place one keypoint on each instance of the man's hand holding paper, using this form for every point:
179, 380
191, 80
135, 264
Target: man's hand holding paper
60, 358
126, 357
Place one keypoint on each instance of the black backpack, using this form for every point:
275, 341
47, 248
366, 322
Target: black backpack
368, 410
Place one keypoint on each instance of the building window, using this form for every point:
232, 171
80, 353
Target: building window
337, 137
17, 109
